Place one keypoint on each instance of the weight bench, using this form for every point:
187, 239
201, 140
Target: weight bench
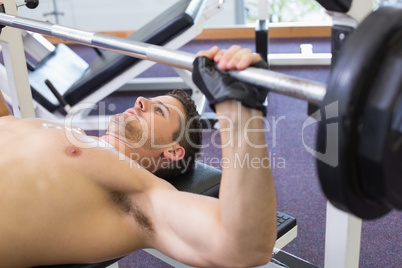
78, 82
205, 180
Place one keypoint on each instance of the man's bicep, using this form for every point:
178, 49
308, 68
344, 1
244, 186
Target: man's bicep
187, 226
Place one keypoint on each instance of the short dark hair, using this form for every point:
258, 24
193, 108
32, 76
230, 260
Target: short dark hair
191, 141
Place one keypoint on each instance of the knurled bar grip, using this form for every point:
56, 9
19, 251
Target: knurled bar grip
303, 89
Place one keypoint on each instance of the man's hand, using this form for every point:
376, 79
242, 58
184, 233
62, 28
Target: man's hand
231, 59
209, 74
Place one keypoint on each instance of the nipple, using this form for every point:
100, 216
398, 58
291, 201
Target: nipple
73, 151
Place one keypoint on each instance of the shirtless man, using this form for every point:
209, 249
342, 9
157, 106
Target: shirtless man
64, 203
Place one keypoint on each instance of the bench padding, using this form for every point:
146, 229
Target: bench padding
203, 179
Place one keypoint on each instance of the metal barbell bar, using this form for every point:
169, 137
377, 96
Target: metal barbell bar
299, 88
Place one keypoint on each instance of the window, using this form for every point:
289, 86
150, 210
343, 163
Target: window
287, 11
387, 3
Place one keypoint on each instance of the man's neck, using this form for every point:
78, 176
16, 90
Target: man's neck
104, 143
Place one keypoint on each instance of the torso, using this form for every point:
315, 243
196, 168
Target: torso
53, 207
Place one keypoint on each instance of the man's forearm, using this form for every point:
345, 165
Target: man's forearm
4, 108
247, 191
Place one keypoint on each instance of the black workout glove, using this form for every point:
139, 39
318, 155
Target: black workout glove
218, 86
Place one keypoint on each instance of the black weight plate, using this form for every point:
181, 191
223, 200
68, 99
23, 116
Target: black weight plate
336, 5
394, 158
348, 88
380, 145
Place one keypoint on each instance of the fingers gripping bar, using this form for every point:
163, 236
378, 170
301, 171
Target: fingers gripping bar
312, 92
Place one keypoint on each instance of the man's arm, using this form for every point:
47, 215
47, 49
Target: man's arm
239, 229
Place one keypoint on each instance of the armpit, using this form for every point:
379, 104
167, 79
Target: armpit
127, 206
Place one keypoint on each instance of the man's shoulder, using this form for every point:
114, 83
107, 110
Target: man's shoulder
8, 119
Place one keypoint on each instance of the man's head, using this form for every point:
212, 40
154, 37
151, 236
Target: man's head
163, 134
191, 141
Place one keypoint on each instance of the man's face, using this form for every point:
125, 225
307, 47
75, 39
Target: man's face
147, 127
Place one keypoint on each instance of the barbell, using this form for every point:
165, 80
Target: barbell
359, 138
312, 92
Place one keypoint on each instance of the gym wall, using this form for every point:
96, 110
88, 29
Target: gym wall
118, 15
